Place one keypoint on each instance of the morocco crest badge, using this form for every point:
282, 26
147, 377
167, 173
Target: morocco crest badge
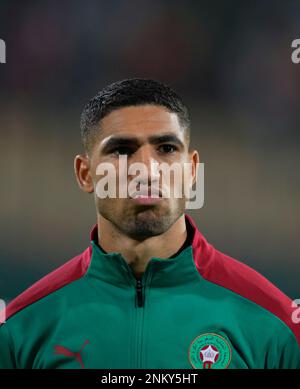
210, 351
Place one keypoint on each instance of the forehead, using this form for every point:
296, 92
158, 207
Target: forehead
140, 121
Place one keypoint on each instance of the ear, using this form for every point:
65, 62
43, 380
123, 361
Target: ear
83, 174
195, 160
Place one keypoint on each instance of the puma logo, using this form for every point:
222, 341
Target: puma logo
60, 350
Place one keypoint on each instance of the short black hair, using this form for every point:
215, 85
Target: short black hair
129, 92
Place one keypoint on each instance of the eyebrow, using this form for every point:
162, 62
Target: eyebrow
116, 141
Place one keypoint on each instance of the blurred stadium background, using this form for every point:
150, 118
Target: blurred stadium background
231, 62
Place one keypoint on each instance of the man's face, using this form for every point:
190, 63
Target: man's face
144, 134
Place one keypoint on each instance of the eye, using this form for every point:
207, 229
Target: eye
123, 150
167, 149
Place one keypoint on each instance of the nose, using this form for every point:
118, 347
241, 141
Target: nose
145, 156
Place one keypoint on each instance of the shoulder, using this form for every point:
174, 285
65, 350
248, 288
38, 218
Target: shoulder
227, 272
62, 276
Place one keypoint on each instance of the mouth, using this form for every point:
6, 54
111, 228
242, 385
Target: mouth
146, 198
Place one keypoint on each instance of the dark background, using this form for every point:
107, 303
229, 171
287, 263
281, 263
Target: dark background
230, 61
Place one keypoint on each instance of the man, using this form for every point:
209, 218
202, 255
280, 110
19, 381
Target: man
150, 291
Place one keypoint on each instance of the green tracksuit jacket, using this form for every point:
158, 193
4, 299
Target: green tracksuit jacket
199, 309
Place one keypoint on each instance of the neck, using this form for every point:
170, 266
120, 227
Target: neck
136, 253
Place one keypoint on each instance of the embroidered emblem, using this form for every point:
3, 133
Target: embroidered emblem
209, 351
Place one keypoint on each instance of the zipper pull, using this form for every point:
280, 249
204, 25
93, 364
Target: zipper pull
139, 293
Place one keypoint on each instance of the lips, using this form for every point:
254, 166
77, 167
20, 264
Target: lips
146, 200
157, 193
145, 197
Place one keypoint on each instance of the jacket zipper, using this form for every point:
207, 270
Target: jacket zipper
139, 323
139, 293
